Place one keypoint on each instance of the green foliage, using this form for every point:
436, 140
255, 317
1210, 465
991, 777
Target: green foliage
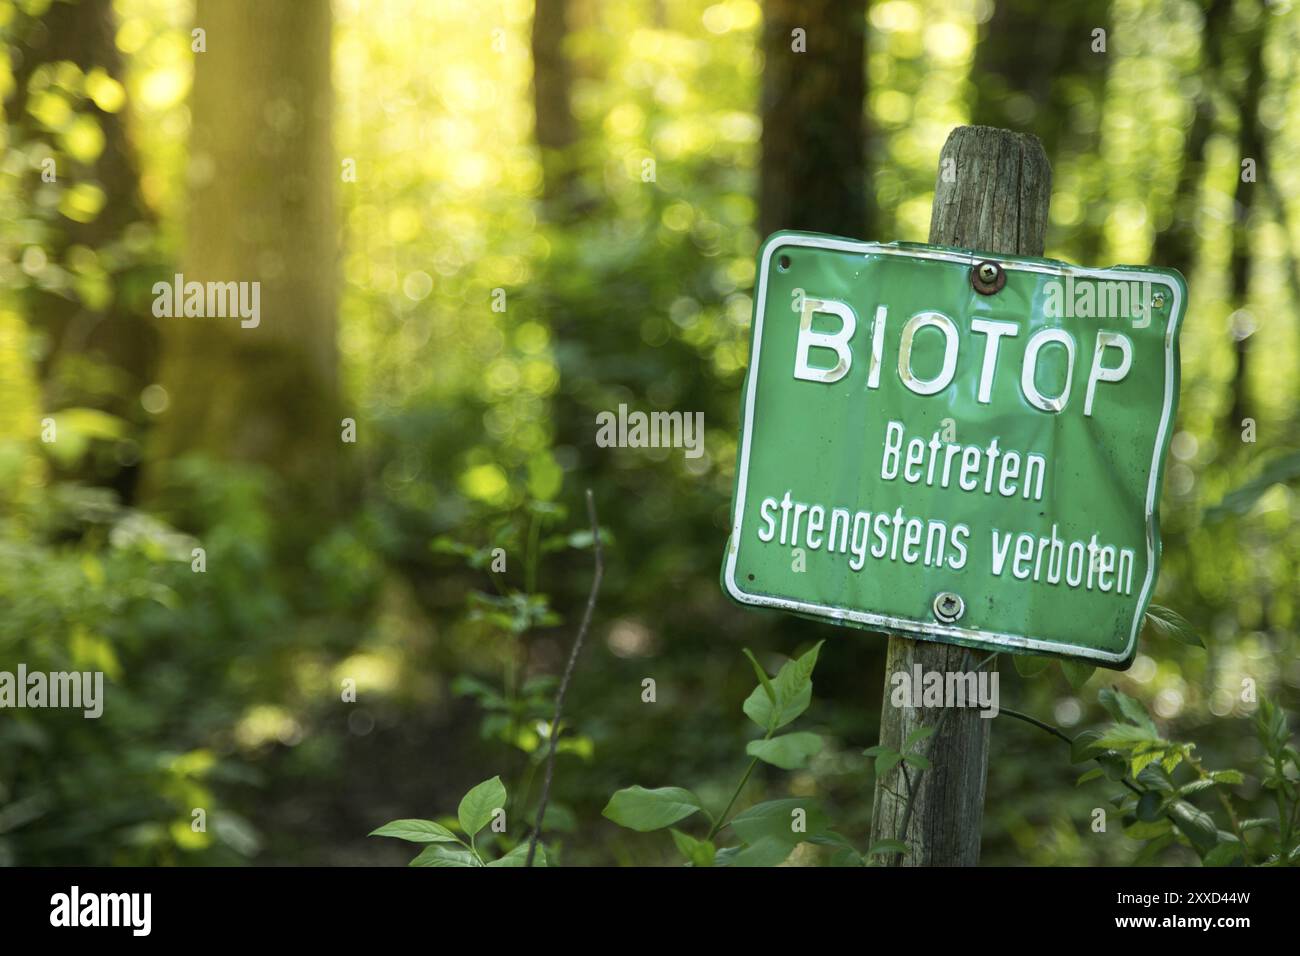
789, 751
477, 427
478, 808
417, 831
773, 704
889, 761
640, 809
1279, 469
517, 711
886, 758
768, 831
1169, 623
514, 709
89, 585
1161, 775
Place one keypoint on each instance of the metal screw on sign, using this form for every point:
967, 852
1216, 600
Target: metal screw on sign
988, 278
948, 607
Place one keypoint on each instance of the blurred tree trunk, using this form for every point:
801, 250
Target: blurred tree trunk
1035, 71
261, 175
1176, 245
812, 172
115, 331
1057, 91
1252, 143
554, 128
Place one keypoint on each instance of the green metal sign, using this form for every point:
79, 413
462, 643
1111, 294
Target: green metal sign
955, 446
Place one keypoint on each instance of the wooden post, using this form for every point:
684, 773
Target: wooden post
991, 195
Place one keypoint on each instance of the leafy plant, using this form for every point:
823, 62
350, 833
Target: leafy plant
1160, 775
887, 760
1281, 469
766, 833
518, 711
1156, 805
478, 808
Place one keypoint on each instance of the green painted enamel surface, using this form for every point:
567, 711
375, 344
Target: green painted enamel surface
1050, 537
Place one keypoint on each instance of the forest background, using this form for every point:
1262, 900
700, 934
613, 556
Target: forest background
476, 226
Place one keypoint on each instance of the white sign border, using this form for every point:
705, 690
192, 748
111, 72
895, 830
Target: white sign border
926, 629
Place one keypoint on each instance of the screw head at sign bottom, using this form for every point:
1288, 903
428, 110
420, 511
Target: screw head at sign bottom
948, 607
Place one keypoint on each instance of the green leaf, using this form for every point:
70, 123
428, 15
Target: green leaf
416, 831
581, 539
1155, 778
1115, 766
1258, 823
1088, 775
793, 688
77, 427
1195, 787
771, 716
1172, 758
1142, 830
1030, 665
886, 762
917, 761
1149, 807
845, 856
1146, 856
1225, 854
1083, 747
1270, 726
519, 857
1197, 825
1227, 777
831, 838
917, 735
763, 679
726, 855
697, 852
644, 810
1169, 623
487, 696
476, 809
1125, 709
887, 848
1125, 737
789, 751
437, 854
1076, 673
1240, 500
768, 851
1108, 699
1144, 756
777, 819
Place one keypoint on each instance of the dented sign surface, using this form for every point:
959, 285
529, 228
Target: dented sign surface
955, 446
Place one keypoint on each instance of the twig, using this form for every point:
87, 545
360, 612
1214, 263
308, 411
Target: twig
568, 674
1040, 724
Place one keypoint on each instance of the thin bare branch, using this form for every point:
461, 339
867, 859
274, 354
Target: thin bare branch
568, 675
